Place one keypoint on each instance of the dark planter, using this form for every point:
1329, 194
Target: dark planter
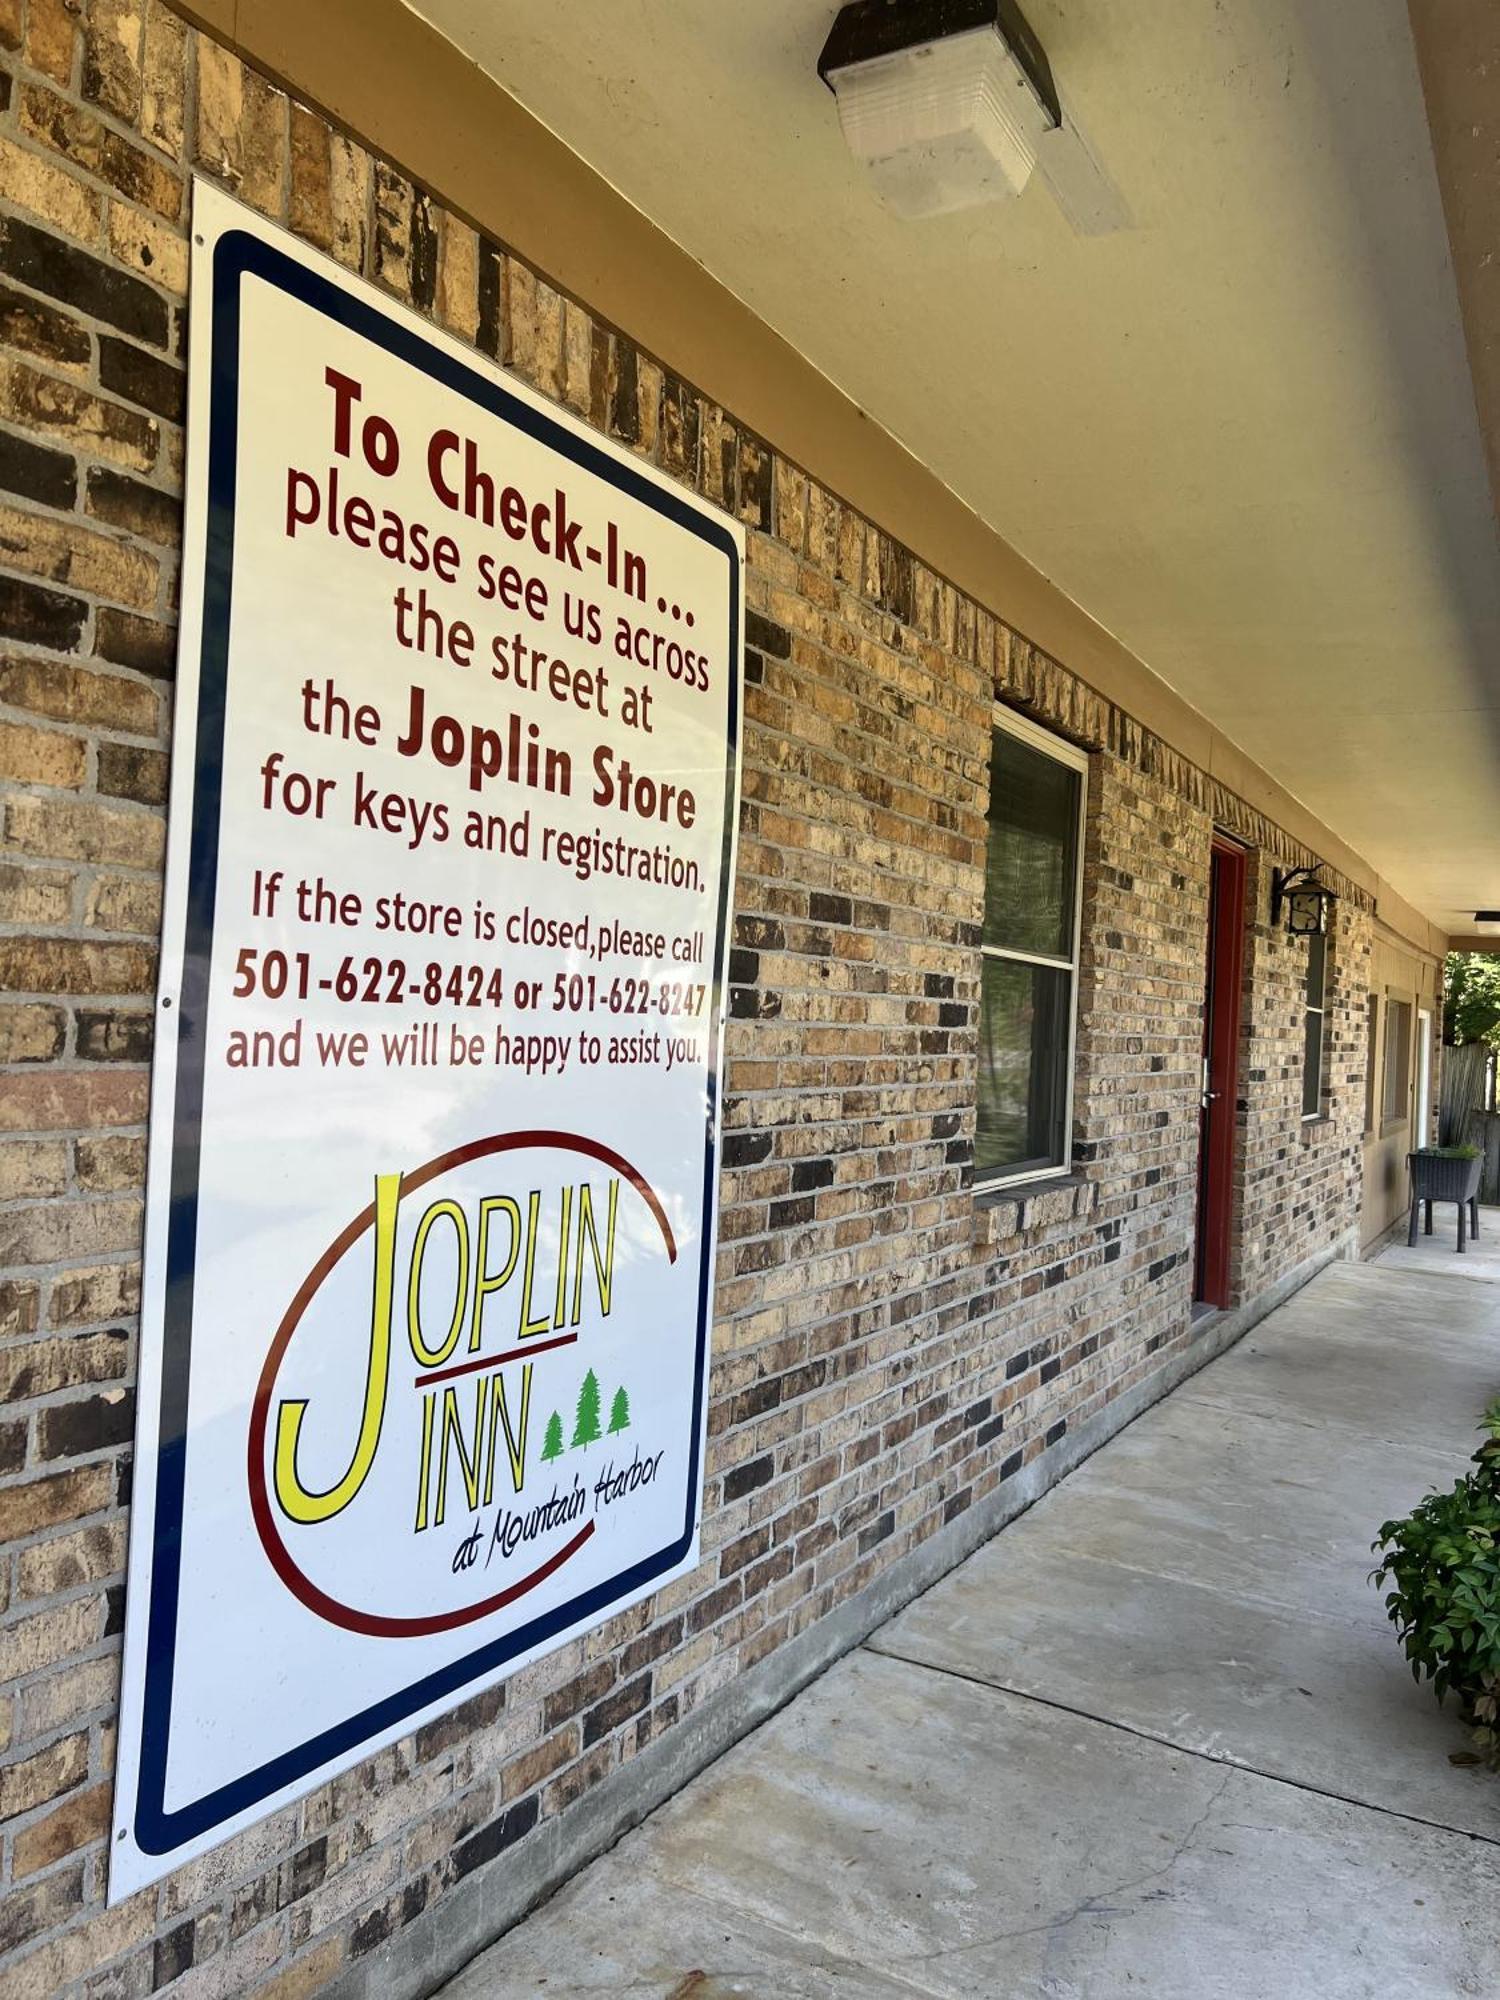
1434, 1178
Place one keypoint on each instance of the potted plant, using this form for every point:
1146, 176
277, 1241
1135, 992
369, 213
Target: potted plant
1443, 1564
1445, 1173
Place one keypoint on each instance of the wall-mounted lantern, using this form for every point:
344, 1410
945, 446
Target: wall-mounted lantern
1299, 898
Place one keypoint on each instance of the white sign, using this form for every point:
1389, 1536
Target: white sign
431, 1205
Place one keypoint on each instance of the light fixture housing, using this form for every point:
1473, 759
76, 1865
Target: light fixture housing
946, 102
1300, 900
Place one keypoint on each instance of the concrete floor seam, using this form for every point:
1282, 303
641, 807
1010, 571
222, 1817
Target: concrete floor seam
1181, 1749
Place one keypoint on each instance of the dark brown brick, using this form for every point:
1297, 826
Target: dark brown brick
139, 377
616, 1708
577, 1693
133, 505
743, 1479
47, 264
511, 1825
50, 477
32, 327
96, 1423
114, 1035
478, 1712
39, 616
127, 771
131, 641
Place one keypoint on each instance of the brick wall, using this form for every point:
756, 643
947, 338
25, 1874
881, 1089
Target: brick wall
1299, 1181
887, 1350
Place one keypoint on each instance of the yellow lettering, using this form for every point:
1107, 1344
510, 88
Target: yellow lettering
434, 1357
296, 1501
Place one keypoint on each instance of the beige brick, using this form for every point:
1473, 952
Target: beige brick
84, 1298
104, 1166
60, 1497
20, 1312
45, 189
349, 188
389, 261
32, 1033
124, 903
30, 1910
76, 417
78, 1822
70, 1694
29, 1170
76, 830
69, 1230
458, 279
101, 1936
49, 1635
51, 35
150, 246
88, 143
310, 177
263, 146
221, 105
63, 1361
578, 357
112, 57
55, 1100
35, 896
307, 1975
534, 1766
41, 756
164, 63
72, 694
64, 551
71, 965
88, 1555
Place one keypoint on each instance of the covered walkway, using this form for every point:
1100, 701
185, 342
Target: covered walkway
1156, 1737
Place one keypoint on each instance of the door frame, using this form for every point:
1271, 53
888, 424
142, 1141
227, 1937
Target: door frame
1223, 1003
1422, 1117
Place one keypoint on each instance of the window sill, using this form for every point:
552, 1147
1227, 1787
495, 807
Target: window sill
1316, 1123
1016, 1208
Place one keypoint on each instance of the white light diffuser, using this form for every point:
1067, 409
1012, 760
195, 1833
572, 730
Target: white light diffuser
944, 125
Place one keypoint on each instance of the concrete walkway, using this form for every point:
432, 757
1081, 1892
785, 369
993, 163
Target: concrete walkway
1156, 1738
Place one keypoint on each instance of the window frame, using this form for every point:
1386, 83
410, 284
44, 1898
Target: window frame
1372, 1067
1320, 939
1063, 752
1397, 996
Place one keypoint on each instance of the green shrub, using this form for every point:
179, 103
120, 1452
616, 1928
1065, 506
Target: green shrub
1449, 1152
1443, 1562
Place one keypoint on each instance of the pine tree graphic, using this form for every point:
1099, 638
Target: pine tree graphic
619, 1413
586, 1424
552, 1444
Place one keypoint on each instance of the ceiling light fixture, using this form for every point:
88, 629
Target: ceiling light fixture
950, 103
945, 101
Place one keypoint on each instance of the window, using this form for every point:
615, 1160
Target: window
1313, 1036
1372, 1030
1394, 1105
1029, 977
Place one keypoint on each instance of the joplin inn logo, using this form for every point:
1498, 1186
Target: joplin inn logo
399, 1434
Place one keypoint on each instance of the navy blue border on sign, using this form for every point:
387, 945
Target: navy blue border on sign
236, 255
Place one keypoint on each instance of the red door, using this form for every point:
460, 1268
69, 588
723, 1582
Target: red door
1218, 1120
